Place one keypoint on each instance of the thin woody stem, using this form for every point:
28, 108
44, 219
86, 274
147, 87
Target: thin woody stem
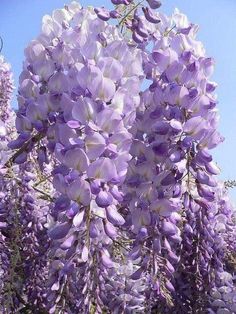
43, 180
130, 11
43, 193
168, 31
35, 139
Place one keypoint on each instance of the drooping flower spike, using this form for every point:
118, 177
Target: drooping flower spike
120, 120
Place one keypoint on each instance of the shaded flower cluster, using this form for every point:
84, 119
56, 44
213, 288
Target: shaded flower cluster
22, 219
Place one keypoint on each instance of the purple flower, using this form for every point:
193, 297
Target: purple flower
79, 191
154, 4
76, 159
78, 219
106, 261
114, 217
103, 169
104, 199
110, 230
102, 13
59, 231
151, 16
164, 207
95, 145
168, 228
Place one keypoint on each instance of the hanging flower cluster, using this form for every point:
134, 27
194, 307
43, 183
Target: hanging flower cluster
118, 208
79, 97
23, 215
171, 186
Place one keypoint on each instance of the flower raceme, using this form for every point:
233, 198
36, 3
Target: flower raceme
81, 93
23, 213
121, 120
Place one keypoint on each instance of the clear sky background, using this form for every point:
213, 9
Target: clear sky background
20, 22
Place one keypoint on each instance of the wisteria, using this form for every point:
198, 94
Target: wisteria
110, 200
23, 216
171, 185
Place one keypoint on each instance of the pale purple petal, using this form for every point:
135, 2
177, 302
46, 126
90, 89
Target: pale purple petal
83, 110
78, 219
195, 126
164, 207
104, 199
93, 230
68, 242
85, 254
110, 230
106, 260
114, 217
103, 169
111, 68
95, 145
76, 159
58, 83
168, 228
79, 191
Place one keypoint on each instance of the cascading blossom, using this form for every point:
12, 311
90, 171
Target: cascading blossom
223, 293
23, 263
6, 87
6, 114
78, 94
110, 186
170, 187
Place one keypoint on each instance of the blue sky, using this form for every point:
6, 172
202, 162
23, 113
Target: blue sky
20, 21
